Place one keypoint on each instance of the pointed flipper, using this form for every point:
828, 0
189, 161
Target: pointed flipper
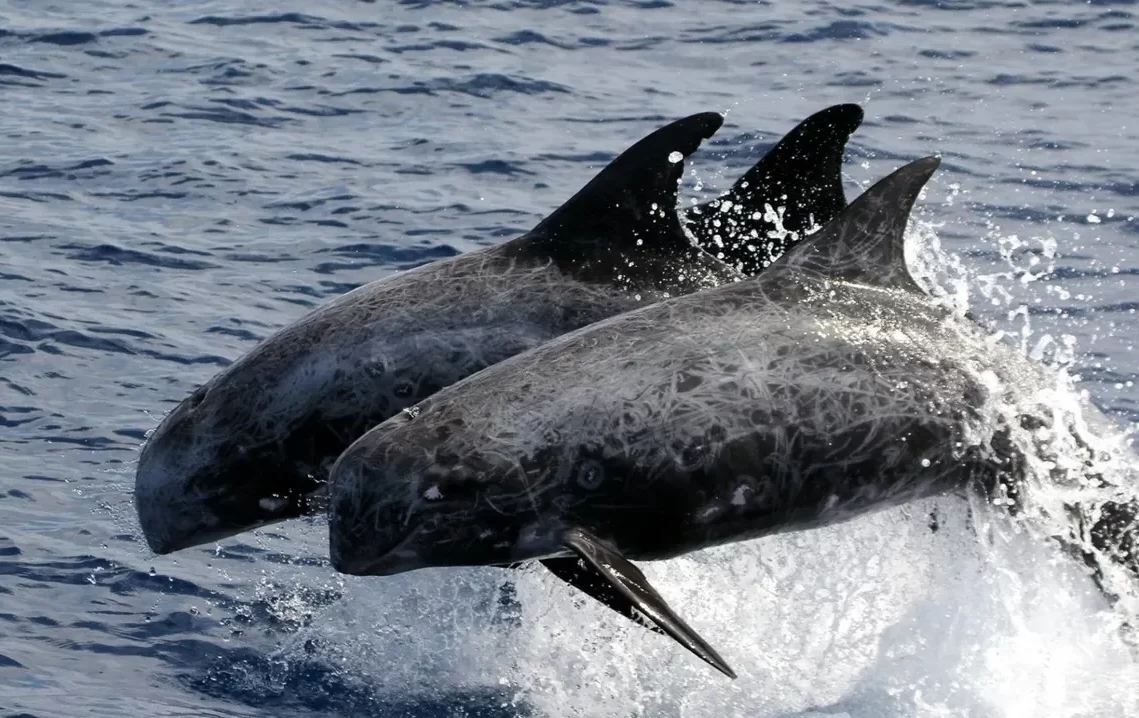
866, 243
630, 582
587, 579
623, 227
802, 174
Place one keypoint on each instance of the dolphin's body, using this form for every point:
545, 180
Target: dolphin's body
252, 446
828, 386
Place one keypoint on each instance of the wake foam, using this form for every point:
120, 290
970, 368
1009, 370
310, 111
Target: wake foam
882, 616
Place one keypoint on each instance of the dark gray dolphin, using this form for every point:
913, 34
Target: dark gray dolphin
252, 445
828, 386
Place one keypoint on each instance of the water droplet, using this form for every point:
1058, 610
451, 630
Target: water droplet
675, 156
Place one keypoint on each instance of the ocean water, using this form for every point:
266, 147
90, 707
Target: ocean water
178, 180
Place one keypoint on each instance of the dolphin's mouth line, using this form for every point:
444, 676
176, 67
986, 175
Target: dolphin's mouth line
385, 564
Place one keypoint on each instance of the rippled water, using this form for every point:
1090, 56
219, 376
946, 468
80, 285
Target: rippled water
179, 180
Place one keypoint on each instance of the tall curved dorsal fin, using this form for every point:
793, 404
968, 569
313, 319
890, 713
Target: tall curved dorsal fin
866, 243
623, 226
633, 188
802, 174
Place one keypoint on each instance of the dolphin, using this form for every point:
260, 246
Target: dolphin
826, 387
252, 446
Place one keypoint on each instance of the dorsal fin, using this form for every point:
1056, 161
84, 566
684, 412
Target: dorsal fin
802, 174
633, 188
623, 225
866, 243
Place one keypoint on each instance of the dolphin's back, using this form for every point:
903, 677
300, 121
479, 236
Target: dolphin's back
735, 414
389, 344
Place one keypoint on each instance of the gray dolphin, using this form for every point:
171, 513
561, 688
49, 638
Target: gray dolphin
828, 386
252, 445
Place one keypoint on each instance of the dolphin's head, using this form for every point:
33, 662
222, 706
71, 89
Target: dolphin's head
240, 452
413, 493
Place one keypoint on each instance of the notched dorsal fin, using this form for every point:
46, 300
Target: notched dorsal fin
866, 243
638, 188
802, 175
630, 582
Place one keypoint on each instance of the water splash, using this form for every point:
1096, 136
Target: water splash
879, 617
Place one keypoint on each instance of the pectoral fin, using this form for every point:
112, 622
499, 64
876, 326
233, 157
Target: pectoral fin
586, 578
632, 584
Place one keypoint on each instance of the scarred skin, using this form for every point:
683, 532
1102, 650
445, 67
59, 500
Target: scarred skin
772, 406
826, 387
368, 355
253, 445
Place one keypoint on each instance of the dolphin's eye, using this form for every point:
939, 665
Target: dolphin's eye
273, 504
450, 490
590, 474
453, 484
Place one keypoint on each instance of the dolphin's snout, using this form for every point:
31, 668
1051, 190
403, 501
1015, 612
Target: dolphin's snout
170, 512
187, 491
369, 547
363, 563
370, 515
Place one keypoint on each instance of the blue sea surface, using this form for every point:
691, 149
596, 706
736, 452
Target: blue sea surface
179, 180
